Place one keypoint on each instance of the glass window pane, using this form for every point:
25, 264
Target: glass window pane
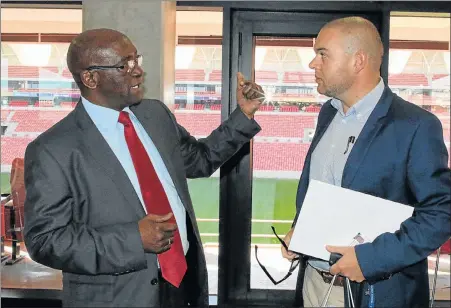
37, 88
37, 91
197, 107
419, 71
288, 119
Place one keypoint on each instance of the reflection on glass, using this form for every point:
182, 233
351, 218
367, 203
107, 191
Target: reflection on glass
288, 120
37, 91
419, 71
198, 108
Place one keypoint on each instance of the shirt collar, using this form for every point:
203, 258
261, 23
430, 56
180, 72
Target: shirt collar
104, 118
365, 105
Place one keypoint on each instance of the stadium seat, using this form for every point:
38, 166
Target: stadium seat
215, 107
266, 76
215, 75
189, 75
19, 104
289, 108
44, 104
299, 77
66, 104
407, 80
195, 107
14, 211
312, 109
266, 108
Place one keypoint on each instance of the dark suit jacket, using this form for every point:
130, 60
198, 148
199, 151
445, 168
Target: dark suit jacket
400, 156
81, 211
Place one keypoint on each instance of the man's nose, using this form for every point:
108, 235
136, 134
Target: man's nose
312, 64
137, 71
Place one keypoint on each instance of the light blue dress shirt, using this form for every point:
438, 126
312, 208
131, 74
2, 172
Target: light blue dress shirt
328, 158
106, 121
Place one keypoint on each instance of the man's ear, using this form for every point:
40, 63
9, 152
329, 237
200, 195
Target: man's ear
360, 60
89, 79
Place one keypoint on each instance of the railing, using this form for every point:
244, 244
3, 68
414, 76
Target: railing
257, 235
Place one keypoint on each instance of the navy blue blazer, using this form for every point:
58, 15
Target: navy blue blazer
400, 155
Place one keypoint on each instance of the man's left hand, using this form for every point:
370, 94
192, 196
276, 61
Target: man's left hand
348, 265
249, 96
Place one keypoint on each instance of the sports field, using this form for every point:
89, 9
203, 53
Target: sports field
4, 181
273, 199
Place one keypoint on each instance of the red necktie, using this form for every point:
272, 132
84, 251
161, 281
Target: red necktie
172, 262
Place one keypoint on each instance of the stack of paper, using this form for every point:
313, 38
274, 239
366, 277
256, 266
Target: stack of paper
333, 215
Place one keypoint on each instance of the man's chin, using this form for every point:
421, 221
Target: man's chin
135, 99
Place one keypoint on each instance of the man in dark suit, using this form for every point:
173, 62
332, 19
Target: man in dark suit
372, 141
107, 196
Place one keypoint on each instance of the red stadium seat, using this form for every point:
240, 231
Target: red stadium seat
189, 75
19, 104
289, 108
215, 107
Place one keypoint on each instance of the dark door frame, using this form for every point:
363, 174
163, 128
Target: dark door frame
236, 178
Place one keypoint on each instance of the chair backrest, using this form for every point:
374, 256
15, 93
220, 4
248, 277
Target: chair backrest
17, 181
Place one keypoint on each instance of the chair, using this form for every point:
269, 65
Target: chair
3, 202
14, 211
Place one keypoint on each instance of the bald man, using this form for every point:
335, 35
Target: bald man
107, 198
372, 141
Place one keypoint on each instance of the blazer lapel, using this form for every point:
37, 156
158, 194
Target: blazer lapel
158, 133
106, 159
363, 143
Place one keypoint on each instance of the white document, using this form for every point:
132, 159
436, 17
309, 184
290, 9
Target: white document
332, 215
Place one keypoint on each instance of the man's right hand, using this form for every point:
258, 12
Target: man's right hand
287, 254
157, 233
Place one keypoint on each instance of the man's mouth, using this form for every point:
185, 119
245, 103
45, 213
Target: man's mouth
136, 86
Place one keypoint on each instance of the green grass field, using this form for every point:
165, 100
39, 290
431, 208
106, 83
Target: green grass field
273, 199
4, 181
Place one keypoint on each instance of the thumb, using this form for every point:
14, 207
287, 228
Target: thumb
338, 249
160, 218
240, 79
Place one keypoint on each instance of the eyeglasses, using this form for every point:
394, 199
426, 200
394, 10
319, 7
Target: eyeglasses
130, 65
294, 262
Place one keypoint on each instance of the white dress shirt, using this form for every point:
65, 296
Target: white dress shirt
106, 121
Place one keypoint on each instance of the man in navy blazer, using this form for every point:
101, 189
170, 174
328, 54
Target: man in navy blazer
370, 140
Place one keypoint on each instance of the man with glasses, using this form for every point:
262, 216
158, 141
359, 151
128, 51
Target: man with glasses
107, 195
372, 141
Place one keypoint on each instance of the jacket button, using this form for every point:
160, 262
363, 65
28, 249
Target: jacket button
154, 281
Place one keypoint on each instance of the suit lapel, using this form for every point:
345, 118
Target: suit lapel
151, 121
366, 137
106, 159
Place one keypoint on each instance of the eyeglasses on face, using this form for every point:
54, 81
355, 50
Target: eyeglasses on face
294, 262
129, 65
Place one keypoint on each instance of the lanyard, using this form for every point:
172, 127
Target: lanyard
371, 290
